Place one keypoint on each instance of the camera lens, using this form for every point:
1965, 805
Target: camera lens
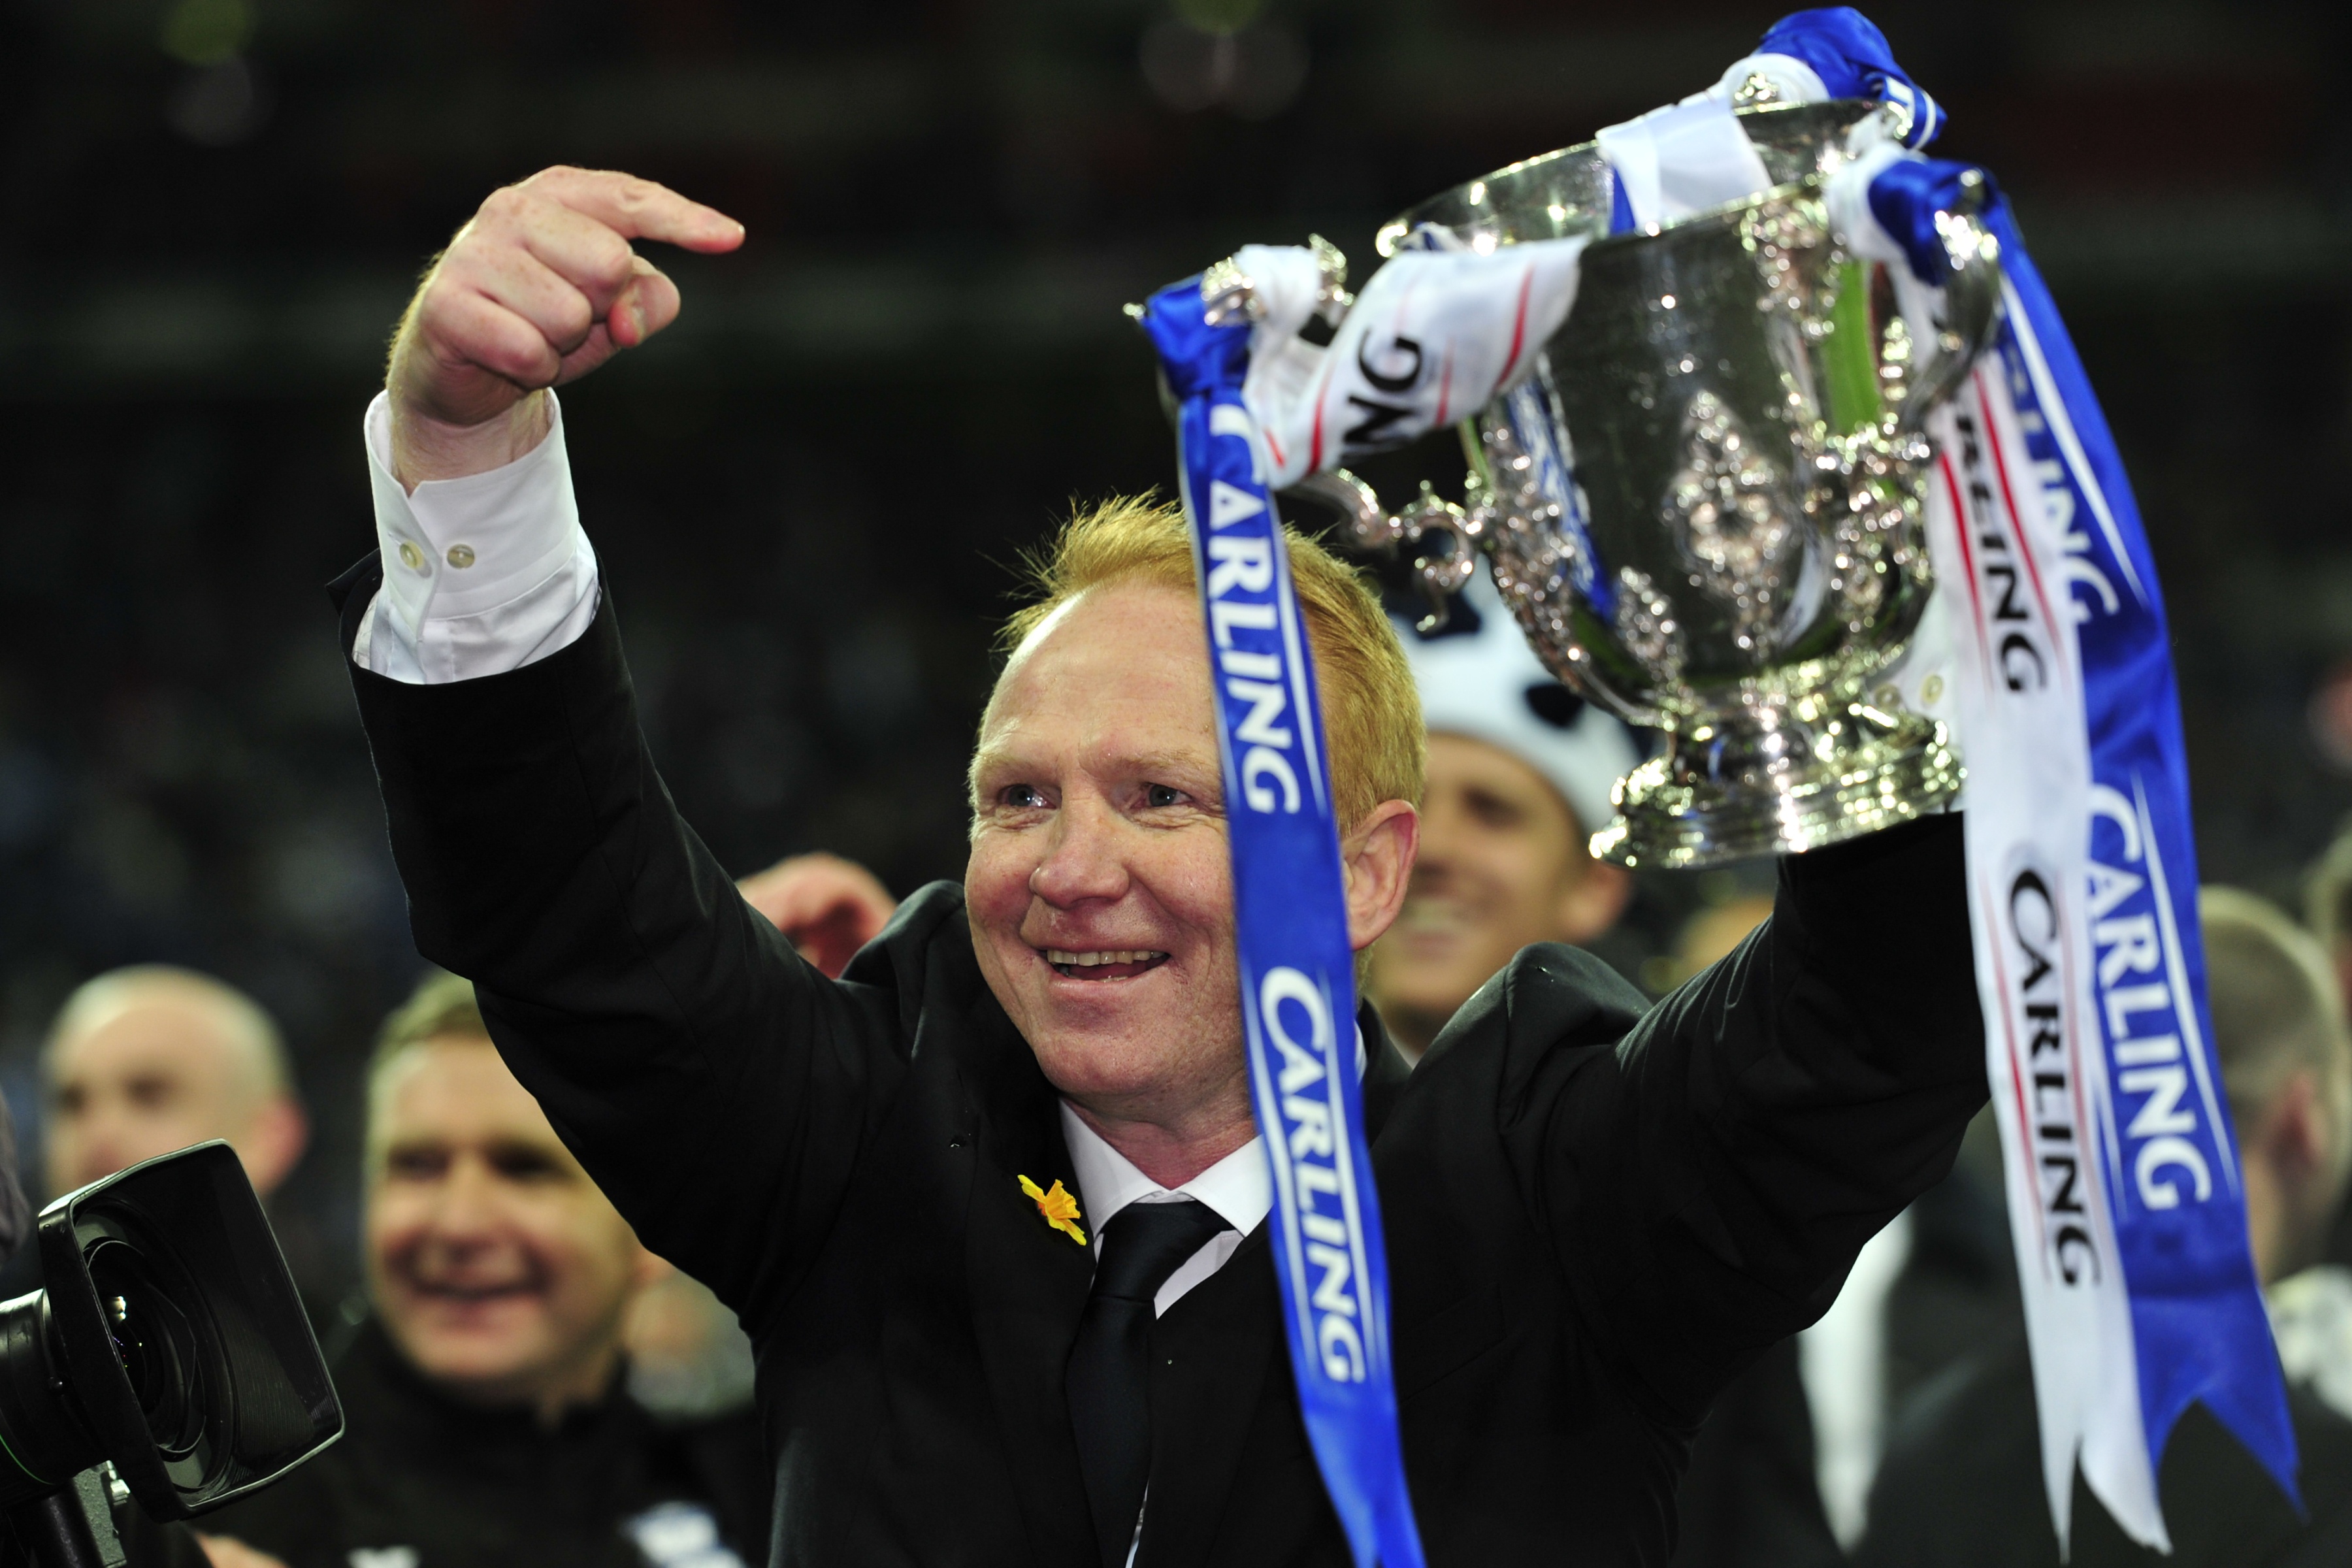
154, 1343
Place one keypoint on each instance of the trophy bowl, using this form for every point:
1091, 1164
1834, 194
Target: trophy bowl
1567, 193
1703, 506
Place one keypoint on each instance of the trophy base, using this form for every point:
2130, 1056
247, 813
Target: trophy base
1733, 790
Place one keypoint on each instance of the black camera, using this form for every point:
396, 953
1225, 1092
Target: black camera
169, 1344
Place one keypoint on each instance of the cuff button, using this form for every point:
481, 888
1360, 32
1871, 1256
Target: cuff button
461, 556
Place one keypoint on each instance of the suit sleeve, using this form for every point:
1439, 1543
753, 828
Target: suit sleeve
1710, 1179
717, 1087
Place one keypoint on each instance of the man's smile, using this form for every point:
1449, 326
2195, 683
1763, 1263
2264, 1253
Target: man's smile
1103, 963
474, 1292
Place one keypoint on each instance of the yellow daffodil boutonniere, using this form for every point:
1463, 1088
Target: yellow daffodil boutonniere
1059, 1208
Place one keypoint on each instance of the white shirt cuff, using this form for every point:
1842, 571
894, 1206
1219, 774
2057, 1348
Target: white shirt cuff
482, 575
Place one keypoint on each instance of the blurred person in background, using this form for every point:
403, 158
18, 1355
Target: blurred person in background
1521, 770
140, 1062
687, 1356
2327, 907
144, 1061
487, 1418
826, 906
1961, 1483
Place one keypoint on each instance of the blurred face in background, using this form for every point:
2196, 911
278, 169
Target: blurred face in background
155, 1067
1503, 864
498, 1269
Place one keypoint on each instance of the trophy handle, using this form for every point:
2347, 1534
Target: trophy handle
1971, 303
1365, 525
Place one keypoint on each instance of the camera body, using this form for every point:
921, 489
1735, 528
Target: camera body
170, 1342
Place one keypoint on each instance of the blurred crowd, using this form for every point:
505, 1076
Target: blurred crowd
524, 1383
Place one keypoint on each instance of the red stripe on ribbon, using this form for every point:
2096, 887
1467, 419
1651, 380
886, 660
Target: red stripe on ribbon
1519, 324
2016, 517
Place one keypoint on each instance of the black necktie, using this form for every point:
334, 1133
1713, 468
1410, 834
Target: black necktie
1109, 1381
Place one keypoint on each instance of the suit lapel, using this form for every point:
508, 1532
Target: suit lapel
1028, 1286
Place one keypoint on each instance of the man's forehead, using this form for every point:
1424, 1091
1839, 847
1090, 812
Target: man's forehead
175, 1034
1114, 734
457, 1088
1123, 657
1454, 757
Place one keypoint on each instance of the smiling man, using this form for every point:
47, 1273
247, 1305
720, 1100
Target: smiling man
989, 1205
1520, 772
486, 1419
148, 1059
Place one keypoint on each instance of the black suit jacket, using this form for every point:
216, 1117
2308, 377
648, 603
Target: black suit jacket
1597, 1211
455, 1485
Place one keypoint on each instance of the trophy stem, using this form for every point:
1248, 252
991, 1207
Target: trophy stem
1764, 782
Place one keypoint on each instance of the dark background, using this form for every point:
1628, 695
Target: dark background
806, 495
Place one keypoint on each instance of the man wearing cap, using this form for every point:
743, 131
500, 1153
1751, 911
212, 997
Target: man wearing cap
992, 1204
1521, 771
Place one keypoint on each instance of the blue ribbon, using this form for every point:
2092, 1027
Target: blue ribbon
1853, 59
1906, 197
2197, 1321
1298, 974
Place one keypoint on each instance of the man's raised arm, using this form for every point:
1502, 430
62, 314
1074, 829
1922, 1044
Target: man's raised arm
1716, 1172
485, 565
716, 1086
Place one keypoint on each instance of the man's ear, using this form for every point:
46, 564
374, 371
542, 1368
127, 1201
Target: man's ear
1595, 896
1377, 861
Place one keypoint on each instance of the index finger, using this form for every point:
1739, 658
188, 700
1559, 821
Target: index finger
639, 209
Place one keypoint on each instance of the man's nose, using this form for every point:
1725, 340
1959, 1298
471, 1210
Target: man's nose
97, 1140
1083, 861
465, 1203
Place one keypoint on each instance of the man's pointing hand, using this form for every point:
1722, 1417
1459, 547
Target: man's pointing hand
540, 288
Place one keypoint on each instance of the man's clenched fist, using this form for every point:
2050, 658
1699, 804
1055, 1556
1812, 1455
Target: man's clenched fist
540, 288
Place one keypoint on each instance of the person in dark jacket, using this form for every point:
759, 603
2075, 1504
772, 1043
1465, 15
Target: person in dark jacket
147, 1059
1520, 772
1598, 1211
486, 1420
1961, 1483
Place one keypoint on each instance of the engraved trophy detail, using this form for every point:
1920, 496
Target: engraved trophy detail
1704, 504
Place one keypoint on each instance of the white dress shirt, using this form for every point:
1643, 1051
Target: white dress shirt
1236, 1187
482, 575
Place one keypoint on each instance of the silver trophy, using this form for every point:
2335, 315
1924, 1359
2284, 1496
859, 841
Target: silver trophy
1703, 507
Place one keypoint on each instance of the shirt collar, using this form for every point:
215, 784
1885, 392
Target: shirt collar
1238, 1187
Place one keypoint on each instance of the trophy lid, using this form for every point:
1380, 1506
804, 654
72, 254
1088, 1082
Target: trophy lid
1567, 193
